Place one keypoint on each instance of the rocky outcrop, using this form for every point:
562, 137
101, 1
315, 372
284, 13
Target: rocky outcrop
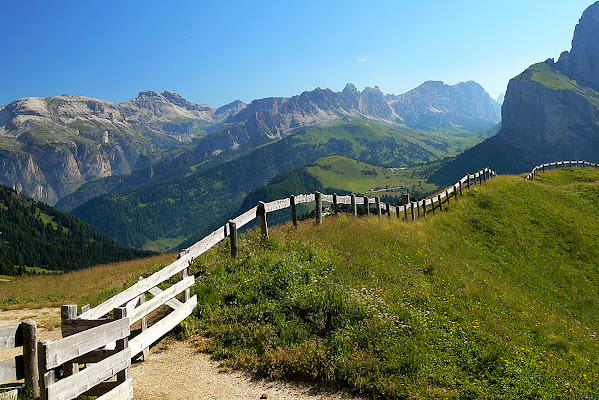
435, 104
51, 146
582, 62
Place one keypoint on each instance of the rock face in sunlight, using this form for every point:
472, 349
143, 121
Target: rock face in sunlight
49, 147
550, 111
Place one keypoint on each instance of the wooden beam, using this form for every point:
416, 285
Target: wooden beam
234, 242
160, 299
354, 206
263, 223
293, 210
318, 206
64, 350
69, 312
11, 370
10, 336
162, 327
30, 373
172, 303
75, 385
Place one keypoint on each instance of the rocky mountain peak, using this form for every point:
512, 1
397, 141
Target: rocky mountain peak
582, 62
349, 88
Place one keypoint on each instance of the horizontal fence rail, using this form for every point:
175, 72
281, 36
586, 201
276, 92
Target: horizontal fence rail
88, 347
557, 164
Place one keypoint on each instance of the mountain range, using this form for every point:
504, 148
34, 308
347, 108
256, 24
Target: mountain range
49, 147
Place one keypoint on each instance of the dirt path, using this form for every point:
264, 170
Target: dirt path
177, 370
181, 372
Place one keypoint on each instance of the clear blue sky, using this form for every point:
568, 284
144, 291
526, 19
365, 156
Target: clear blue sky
219, 51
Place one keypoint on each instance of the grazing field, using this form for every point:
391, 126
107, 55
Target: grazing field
495, 298
92, 285
358, 177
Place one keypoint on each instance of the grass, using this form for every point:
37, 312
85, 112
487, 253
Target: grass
358, 177
163, 245
495, 298
88, 286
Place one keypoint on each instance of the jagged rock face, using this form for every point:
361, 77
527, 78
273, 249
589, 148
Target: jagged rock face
51, 146
433, 103
547, 124
582, 62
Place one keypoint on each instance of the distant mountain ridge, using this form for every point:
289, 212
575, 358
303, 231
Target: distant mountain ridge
51, 146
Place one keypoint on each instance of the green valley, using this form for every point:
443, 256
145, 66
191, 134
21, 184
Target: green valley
191, 205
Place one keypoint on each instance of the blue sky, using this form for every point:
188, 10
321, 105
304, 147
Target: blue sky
217, 52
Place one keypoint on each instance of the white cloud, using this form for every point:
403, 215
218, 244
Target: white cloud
362, 59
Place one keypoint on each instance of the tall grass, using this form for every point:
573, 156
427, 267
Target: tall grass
87, 286
495, 298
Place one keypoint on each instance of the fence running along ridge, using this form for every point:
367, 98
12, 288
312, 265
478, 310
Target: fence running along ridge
98, 344
555, 165
411, 210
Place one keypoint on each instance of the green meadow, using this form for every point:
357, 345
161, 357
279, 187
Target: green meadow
494, 298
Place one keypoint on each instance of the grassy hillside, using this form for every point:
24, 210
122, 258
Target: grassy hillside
89, 286
496, 298
35, 237
189, 206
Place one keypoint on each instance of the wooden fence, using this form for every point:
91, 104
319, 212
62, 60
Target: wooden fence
61, 377
409, 211
23, 366
556, 165
99, 343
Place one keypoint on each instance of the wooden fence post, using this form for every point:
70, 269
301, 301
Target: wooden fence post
447, 196
412, 207
293, 210
122, 344
29, 329
69, 312
388, 207
398, 212
318, 197
367, 205
233, 236
263, 223
468, 184
335, 205
144, 322
377, 203
424, 206
455, 192
184, 274
405, 209
440, 203
418, 208
433, 204
46, 378
354, 206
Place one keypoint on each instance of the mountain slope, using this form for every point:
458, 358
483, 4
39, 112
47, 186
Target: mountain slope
33, 234
483, 301
550, 111
190, 205
49, 147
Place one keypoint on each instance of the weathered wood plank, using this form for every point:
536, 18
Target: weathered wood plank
11, 370
172, 303
343, 199
63, 350
327, 198
277, 205
10, 336
160, 328
304, 198
94, 356
160, 299
124, 391
246, 217
11, 394
79, 383
72, 326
